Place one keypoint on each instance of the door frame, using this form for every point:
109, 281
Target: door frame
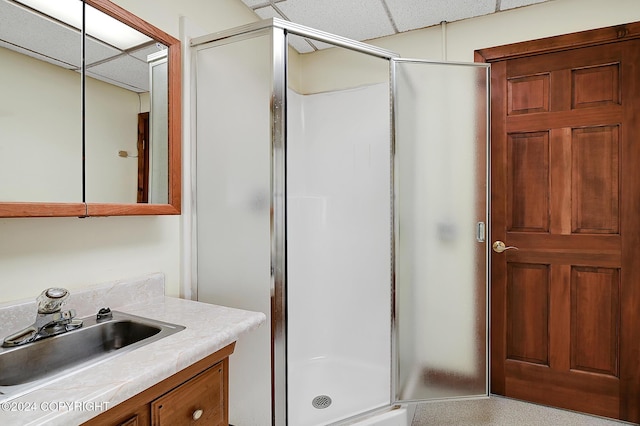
629, 406
558, 43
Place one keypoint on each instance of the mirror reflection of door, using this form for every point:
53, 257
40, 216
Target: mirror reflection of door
143, 157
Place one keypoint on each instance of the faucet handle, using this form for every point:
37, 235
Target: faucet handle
104, 314
51, 300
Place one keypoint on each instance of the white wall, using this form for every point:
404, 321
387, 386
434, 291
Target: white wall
40, 130
39, 252
111, 125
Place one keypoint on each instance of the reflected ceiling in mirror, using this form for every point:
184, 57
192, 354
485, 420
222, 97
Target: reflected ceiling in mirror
116, 53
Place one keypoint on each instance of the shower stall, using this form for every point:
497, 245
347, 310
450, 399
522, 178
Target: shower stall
343, 192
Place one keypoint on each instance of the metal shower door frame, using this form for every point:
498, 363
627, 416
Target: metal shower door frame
393, 62
279, 178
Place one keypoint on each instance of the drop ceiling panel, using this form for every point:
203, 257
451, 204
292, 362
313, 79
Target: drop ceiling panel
144, 52
296, 40
267, 12
355, 19
33, 33
96, 51
301, 45
512, 4
132, 72
412, 14
260, 3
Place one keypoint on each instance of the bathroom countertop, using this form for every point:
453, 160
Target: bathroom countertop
79, 396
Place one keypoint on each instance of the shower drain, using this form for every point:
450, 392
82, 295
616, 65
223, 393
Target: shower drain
321, 401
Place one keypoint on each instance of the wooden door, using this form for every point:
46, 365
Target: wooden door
143, 157
565, 314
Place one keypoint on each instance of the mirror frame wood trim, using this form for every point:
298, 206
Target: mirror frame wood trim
46, 209
18, 209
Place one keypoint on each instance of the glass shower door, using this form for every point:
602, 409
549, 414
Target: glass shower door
440, 185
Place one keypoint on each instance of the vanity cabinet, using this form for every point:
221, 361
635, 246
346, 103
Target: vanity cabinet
196, 395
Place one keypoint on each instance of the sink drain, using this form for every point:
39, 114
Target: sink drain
321, 401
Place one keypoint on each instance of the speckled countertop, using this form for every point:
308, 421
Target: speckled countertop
79, 396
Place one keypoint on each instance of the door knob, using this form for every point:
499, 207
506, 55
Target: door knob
499, 247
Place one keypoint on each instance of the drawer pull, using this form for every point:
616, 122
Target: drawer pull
197, 414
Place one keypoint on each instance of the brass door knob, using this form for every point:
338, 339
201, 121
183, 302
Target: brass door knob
499, 247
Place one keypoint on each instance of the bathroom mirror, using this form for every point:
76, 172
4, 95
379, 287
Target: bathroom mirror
127, 156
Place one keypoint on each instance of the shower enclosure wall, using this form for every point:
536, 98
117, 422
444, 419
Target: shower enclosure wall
311, 177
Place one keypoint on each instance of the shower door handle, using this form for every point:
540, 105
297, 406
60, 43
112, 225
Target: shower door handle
499, 247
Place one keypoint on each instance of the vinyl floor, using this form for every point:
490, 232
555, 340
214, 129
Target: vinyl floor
499, 411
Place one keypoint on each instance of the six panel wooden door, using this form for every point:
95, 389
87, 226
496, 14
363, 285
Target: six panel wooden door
566, 193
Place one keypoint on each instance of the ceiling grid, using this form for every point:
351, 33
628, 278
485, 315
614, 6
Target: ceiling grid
368, 19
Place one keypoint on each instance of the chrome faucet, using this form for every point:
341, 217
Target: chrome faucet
50, 319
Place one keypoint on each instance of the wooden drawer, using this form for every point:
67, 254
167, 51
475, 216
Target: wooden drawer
200, 401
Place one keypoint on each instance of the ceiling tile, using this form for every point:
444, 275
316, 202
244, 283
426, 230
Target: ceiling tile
144, 52
512, 4
354, 19
255, 3
301, 44
32, 32
125, 71
267, 12
97, 51
298, 43
321, 45
412, 14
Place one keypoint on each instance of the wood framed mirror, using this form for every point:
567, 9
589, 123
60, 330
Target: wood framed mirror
106, 86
